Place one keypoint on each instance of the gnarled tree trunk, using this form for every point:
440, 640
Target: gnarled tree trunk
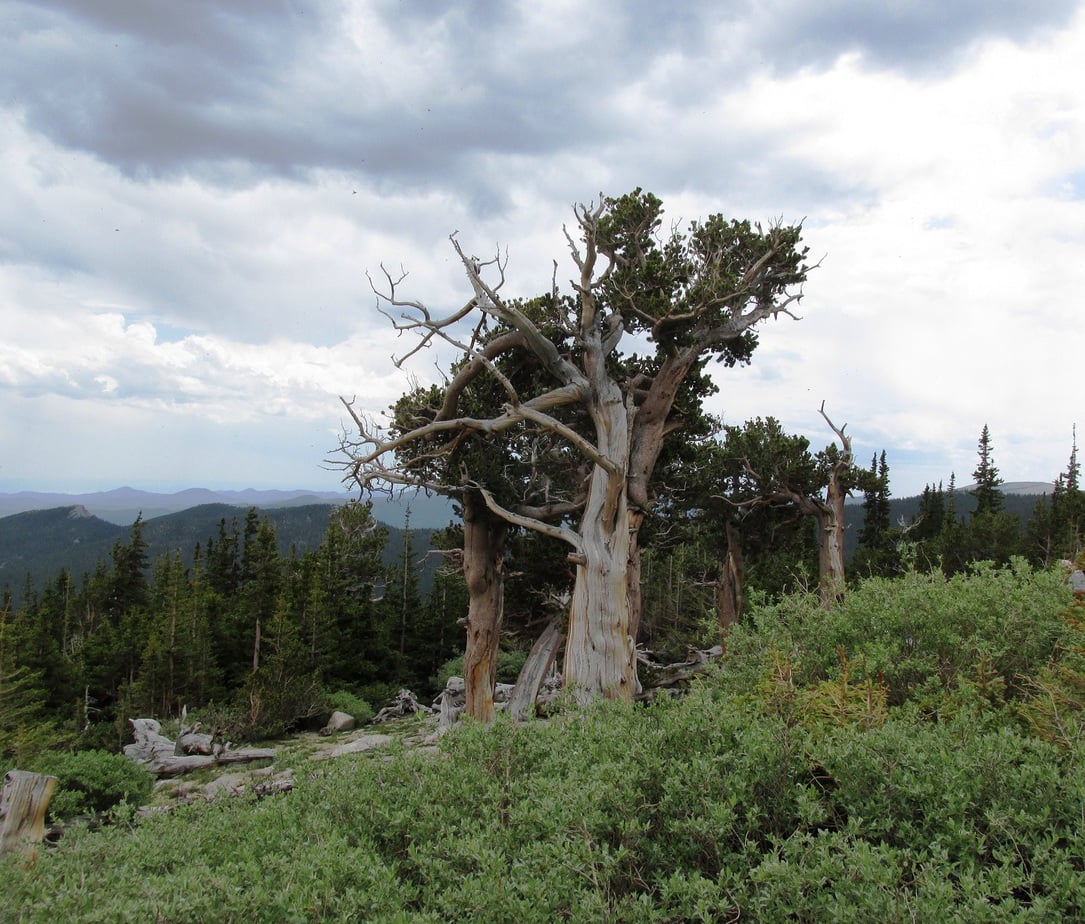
483, 551
730, 587
831, 522
599, 651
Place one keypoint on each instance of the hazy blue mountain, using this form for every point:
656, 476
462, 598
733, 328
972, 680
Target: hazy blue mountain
40, 543
122, 505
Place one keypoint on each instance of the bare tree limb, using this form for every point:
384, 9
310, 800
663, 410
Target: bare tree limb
527, 522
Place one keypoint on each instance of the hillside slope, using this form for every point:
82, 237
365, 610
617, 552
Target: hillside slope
37, 545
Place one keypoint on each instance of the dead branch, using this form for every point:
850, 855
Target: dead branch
528, 522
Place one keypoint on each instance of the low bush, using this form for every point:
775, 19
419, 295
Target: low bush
509, 665
350, 703
882, 771
91, 782
921, 635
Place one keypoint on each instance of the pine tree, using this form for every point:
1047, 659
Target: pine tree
22, 697
1068, 508
346, 618
987, 479
951, 545
990, 534
283, 689
931, 516
408, 602
877, 551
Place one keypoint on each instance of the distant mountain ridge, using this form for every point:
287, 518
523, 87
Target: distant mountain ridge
122, 505
41, 533
38, 544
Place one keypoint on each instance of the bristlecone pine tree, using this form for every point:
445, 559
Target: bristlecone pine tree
691, 295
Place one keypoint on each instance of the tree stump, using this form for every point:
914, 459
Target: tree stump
525, 695
23, 802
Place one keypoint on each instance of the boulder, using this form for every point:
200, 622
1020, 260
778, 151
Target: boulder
339, 722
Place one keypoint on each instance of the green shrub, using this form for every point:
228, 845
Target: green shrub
921, 636
509, 665
808, 779
350, 703
90, 782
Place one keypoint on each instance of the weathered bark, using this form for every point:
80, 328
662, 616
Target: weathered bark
23, 802
730, 588
633, 576
599, 652
159, 755
539, 662
831, 522
483, 552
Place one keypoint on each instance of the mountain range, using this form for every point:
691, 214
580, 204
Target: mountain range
41, 533
123, 505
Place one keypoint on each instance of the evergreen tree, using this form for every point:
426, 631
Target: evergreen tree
951, 546
404, 598
158, 690
22, 697
1068, 508
1039, 539
257, 598
987, 479
1054, 531
201, 678
877, 552
283, 688
925, 527
437, 634
345, 619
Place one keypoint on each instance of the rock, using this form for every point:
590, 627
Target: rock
229, 784
339, 722
358, 745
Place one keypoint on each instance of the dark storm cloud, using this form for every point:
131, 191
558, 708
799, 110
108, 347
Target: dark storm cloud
915, 36
232, 90
149, 86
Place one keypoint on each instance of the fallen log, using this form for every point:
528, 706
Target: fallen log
23, 802
403, 704
668, 676
159, 755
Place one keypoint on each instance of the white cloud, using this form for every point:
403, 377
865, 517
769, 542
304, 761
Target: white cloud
184, 244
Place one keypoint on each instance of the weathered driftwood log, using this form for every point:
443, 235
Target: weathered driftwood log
190, 741
404, 703
451, 702
159, 755
23, 802
697, 661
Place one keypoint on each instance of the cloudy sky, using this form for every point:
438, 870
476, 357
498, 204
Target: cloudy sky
191, 195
